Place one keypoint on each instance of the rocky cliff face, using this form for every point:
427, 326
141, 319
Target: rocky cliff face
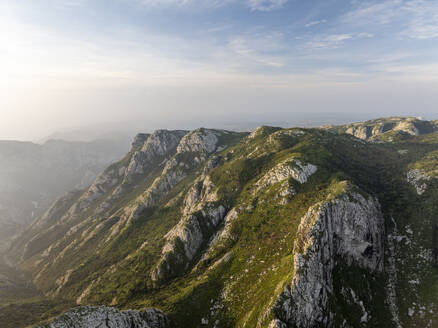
106, 317
347, 229
159, 145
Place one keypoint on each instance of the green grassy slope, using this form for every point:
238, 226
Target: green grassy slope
235, 282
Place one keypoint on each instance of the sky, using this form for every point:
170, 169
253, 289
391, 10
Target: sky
167, 63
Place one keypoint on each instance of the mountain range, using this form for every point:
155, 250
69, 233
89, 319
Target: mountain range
32, 176
281, 227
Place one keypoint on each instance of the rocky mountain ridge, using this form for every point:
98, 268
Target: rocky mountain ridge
388, 128
278, 228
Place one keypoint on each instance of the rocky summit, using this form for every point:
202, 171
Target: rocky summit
330, 227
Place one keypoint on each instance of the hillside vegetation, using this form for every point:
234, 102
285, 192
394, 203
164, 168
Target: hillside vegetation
324, 227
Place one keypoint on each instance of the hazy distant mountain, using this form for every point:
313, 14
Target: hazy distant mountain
125, 131
32, 176
92, 134
324, 227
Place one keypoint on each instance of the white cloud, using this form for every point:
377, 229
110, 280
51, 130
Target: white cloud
255, 5
423, 19
253, 50
330, 41
373, 12
336, 40
338, 37
417, 19
317, 22
266, 5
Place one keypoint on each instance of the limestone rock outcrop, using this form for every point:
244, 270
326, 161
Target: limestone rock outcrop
107, 317
418, 179
158, 145
185, 240
289, 168
349, 227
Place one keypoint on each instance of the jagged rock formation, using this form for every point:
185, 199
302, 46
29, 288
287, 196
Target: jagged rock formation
349, 229
185, 239
290, 168
106, 317
157, 145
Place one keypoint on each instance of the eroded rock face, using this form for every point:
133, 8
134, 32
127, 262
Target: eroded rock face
290, 168
418, 179
371, 129
201, 140
185, 240
176, 168
349, 228
160, 144
361, 132
106, 317
407, 126
201, 192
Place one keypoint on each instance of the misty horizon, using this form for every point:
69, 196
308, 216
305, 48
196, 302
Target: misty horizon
128, 129
72, 64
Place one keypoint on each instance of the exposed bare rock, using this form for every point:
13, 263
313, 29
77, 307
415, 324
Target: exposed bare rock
371, 129
159, 148
349, 227
160, 144
418, 179
185, 240
107, 317
407, 126
361, 132
200, 140
201, 192
289, 168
